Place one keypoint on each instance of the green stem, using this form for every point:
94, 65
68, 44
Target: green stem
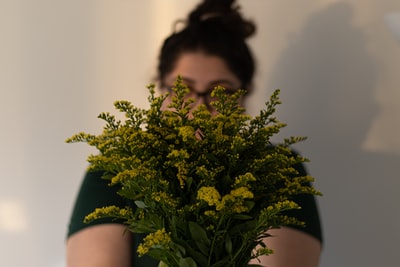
214, 240
239, 252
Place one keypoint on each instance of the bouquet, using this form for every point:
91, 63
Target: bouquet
205, 189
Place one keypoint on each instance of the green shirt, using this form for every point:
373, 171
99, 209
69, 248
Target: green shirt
95, 193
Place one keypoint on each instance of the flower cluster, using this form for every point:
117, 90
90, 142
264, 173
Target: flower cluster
158, 239
206, 188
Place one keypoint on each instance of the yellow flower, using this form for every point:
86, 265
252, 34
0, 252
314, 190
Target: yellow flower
234, 201
178, 154
239, 208
244, 179
164, 198
158, 239
187, 133
178, 157
242, 192
283, 205
226, 201
210, 213
209, 194
110, 211
182, 173
260, 251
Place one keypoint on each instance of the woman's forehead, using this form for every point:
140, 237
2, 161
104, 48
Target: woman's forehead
198, 66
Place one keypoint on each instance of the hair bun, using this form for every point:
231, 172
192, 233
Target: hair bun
225, 12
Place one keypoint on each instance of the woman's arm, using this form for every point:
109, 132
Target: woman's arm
292, 248
105, 245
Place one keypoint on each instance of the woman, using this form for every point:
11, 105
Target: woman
210, 50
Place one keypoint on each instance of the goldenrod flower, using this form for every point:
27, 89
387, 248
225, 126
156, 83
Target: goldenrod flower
242, 192
158, 239
109, 211
244, 179
187, 133
198, 181
210, 213
209, 194
164, 198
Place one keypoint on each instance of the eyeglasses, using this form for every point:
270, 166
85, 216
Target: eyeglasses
206, 95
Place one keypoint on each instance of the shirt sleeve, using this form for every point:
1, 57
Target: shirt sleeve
94, 192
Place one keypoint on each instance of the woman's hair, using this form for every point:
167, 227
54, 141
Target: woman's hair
217, 28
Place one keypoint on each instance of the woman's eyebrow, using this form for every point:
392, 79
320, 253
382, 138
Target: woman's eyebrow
185, 80
189, 81
223, 81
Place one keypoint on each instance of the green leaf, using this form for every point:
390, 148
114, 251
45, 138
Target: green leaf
199, 236
140, 227
157, 253
140, 204
243, 217
198, 233
221, 263
247, 226
228, 244
200, 258
187, 262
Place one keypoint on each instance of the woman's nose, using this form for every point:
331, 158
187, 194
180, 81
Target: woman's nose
199, 101
203, 99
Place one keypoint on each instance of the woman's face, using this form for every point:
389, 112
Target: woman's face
202, 73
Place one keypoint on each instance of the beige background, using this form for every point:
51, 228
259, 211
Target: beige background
63, 62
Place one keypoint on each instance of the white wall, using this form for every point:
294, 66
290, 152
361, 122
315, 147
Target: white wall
63, 62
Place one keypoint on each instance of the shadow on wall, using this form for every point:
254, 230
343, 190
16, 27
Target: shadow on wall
327, 79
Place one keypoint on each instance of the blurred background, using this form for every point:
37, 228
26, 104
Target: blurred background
337, 63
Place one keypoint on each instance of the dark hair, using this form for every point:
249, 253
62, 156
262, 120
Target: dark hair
217, 28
